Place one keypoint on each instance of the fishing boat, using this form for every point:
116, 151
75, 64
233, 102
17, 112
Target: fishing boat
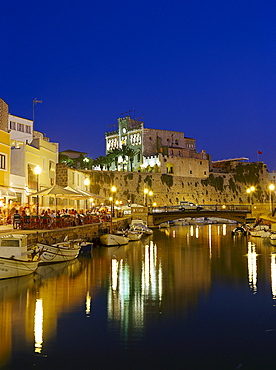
239, 230
141, 226
262, 231
272, 238
59, 252
15, 260
111, 240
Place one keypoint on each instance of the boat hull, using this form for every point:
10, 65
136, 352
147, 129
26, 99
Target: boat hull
111, 240
134, 236
10, 267
57, 252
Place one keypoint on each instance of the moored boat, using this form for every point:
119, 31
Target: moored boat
239, 230
272, 238
15, 260
111, 240
59, 252
141, 226
262, 231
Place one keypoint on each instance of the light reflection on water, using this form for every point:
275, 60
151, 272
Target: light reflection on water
180, 299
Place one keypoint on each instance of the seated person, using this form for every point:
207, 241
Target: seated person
16, 220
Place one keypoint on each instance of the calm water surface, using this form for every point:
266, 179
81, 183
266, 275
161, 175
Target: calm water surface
188, 297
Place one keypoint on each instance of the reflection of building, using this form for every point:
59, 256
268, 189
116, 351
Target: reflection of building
130, 292
162, 151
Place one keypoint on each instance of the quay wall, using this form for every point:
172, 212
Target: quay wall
89, 232
217, 188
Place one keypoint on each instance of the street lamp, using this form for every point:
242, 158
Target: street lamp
37, 172
86, 183
250, 191
113, 190
271, 188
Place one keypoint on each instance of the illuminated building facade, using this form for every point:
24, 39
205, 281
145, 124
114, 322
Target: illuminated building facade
159, 151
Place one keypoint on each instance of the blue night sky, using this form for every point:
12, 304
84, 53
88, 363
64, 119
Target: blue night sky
206, 68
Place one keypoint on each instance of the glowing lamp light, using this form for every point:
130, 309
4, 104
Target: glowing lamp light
37, 170
86, 181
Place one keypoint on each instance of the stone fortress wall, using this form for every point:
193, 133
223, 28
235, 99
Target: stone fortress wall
168, 190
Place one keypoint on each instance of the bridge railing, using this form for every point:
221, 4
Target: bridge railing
209, 207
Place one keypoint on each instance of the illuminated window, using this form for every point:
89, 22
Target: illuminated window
2, 162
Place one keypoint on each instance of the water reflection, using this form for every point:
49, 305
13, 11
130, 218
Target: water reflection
273, 275
38, 325
252, 267
178, 277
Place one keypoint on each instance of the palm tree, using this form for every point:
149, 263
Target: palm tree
130, 153
115, 154
100, 161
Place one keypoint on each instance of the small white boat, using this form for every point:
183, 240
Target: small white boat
140, 226
180, 222
272, 238
239, 230
111, 240
59, 252
164, 225
14, 257
134, 235
262, 231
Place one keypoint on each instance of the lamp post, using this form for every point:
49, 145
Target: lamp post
37, 172
271, 188
86, 183
113, 190
250, 192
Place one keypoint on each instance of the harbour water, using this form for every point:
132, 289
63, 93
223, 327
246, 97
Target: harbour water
187, 297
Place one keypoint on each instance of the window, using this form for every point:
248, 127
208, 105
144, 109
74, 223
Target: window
12, 125
28, 129
191, 172
176, 142
200, 162
2, 162
20, 127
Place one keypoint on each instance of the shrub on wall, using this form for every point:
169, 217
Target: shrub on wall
216, 182
167, 179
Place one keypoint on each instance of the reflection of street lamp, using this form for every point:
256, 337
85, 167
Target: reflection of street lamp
37, 172
250, 191
271, 188
113, 190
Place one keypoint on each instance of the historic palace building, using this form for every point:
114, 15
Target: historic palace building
160, 151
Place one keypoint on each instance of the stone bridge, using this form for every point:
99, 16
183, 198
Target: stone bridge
156, 216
